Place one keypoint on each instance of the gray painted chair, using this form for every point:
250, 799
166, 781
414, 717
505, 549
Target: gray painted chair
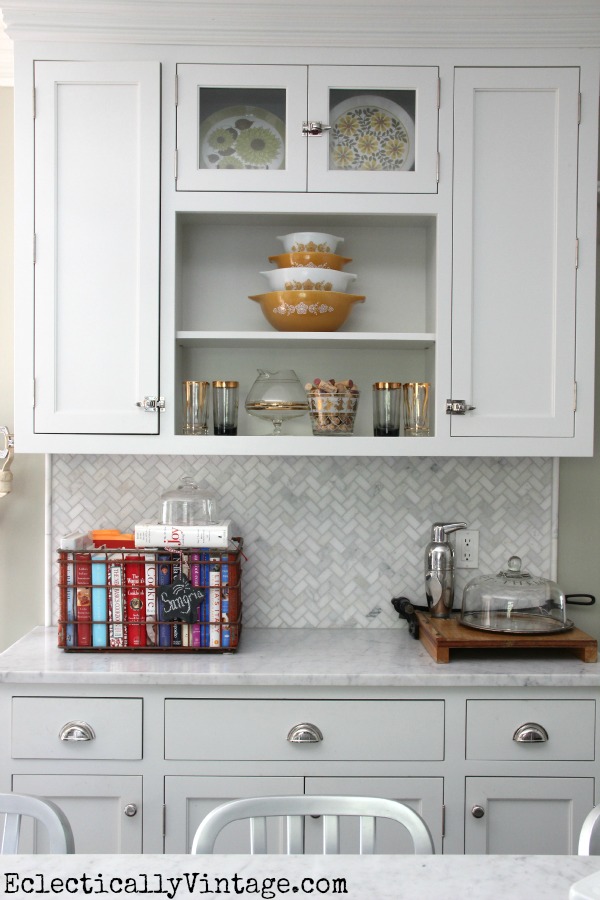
294, 808
589, 836
14, 806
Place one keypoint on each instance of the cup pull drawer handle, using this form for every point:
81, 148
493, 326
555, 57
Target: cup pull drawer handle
77, 731
305, 733
530, 733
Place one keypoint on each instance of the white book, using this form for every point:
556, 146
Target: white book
152, 534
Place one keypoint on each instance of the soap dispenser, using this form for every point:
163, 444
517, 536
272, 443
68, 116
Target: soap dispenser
439, 569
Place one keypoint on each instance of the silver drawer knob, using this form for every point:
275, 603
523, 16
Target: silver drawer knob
77, 731
530, 733
305, 733
130, 809
478, 812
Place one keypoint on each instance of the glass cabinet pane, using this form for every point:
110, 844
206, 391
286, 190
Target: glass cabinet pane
372, 130
242, 128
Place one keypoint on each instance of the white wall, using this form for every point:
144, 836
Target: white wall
22, 511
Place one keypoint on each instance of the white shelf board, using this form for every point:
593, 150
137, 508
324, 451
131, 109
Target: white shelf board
339, 340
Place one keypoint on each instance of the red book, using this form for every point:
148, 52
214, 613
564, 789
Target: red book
83, 599
135, 595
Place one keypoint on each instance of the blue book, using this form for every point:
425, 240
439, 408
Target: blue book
225, 632
163, 576
99, 601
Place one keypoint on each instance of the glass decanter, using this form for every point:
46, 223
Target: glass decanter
277, 396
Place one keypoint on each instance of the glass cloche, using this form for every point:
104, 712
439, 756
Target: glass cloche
514, 601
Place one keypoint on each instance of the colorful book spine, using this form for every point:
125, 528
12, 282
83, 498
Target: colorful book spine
214, 603
195, 581
99, 601
66, 634
163, 577
225, 630
233, 596
177, 636
135, 601
150, 585
83, 600
116, 605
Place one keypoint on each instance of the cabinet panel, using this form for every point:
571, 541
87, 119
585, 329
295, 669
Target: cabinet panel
570, 725
526, 815
514, 277
424, 795
38, 721
188, 800
97, 152
372, 729
95, 807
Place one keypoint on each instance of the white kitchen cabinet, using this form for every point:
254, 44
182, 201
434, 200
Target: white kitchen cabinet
96, 290
104, 810
525, 815
514, 294
298, 128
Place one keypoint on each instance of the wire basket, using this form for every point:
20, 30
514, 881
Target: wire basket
156, 600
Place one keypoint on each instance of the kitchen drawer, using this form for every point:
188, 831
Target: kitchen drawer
569, 724
258, 729
116, 728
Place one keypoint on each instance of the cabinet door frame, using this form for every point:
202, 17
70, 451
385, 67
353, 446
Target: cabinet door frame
424, 80
82, 288
191, 77
549, 411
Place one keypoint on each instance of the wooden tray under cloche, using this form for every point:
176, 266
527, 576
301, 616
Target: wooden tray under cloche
440, 636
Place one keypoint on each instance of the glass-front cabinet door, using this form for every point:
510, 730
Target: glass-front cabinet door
239, 128
380, 130
318, 128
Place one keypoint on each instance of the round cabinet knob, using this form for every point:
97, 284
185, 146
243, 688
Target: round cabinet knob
77, 731
478, 812
305, 733
130, 809
530, 733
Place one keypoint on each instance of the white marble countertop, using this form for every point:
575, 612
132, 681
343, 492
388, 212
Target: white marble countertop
306, 657
367, 877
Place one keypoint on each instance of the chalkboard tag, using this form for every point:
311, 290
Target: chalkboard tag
180, 601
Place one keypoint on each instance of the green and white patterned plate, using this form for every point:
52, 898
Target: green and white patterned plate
369, 132
242, 137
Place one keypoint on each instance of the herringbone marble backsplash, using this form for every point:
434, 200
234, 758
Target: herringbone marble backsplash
329, 541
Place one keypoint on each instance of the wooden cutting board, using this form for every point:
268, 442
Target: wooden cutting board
440, 636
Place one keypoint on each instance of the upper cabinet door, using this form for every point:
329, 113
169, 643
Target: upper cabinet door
381, 129
239, 128
97, 202
514, 249
322, 128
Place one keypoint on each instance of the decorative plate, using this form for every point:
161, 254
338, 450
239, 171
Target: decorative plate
242, 137
370, 132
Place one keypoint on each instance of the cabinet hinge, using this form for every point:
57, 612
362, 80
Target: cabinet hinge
34, 248
33, 99
164, 820
574, 396
439, 92
175, 165
443, 820
579, 108
437, 168
176, 90
576, 253
33, 393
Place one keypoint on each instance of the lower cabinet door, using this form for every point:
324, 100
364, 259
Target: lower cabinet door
189, 798
424, 795
105, 811
526, 815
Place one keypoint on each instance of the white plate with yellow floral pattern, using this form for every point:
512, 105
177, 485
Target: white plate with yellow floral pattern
242, 137
369, 132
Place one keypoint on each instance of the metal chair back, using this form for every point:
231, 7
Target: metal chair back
15, 806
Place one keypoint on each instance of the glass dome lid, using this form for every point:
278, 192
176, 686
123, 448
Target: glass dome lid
514, 601
188, 504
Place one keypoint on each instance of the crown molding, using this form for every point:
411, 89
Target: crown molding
6, 58
330, 23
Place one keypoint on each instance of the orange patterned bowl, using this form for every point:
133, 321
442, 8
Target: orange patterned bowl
306, 310
310, 259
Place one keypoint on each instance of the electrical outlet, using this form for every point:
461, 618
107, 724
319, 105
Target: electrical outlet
466, 554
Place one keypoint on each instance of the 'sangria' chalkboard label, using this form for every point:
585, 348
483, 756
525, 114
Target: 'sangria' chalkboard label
180, 601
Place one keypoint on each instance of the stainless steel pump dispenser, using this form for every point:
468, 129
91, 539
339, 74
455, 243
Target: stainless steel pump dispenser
439, 569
